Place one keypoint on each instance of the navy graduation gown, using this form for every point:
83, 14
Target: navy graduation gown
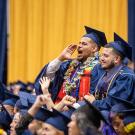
122, 86
56, 83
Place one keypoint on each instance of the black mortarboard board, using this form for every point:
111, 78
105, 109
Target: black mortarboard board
95, 111
59, 121
121, 46
97, 36
43, 114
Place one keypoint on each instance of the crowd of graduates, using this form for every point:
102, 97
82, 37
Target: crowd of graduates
89, 95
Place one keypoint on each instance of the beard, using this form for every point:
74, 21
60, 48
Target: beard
110, 66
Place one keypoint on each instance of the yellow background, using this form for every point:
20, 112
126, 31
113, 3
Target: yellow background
40, 29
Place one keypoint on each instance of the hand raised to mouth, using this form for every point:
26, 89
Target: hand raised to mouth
67, 52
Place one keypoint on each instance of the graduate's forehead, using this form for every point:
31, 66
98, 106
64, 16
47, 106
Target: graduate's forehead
86, 39
107, 51
48, 126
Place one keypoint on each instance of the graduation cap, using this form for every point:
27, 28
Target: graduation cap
95, 111
121, 46
11, 102
27, 99
122, 105
97, 36
19, 105
59, 121
43, 114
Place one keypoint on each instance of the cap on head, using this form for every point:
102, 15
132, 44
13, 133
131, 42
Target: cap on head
97, 36
121, 46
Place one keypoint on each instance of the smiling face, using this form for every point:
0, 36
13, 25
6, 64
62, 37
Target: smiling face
86, 48
108, 58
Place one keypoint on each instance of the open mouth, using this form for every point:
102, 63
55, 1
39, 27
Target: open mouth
80, 52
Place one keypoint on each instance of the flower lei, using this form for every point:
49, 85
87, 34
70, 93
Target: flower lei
74, 72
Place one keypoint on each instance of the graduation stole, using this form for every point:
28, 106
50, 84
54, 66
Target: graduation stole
77, 77
128, 128
112, 78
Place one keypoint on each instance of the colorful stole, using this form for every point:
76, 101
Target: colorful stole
81, 77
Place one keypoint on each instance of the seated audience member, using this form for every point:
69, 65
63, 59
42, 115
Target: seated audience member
122, 120
16, 119
41, 101
111, 77
18, 86
55, 122
86, 120
122, 116
66, 74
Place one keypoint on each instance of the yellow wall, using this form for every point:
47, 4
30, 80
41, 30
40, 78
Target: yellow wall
40, 29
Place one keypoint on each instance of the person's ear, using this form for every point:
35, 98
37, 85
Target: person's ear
117, 60
94, 48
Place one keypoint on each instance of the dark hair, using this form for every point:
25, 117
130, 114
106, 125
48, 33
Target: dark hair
88, 127
119, 114
87, 114
122, 56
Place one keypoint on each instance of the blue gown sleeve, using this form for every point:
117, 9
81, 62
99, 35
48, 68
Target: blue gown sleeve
55, 85
123, 87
